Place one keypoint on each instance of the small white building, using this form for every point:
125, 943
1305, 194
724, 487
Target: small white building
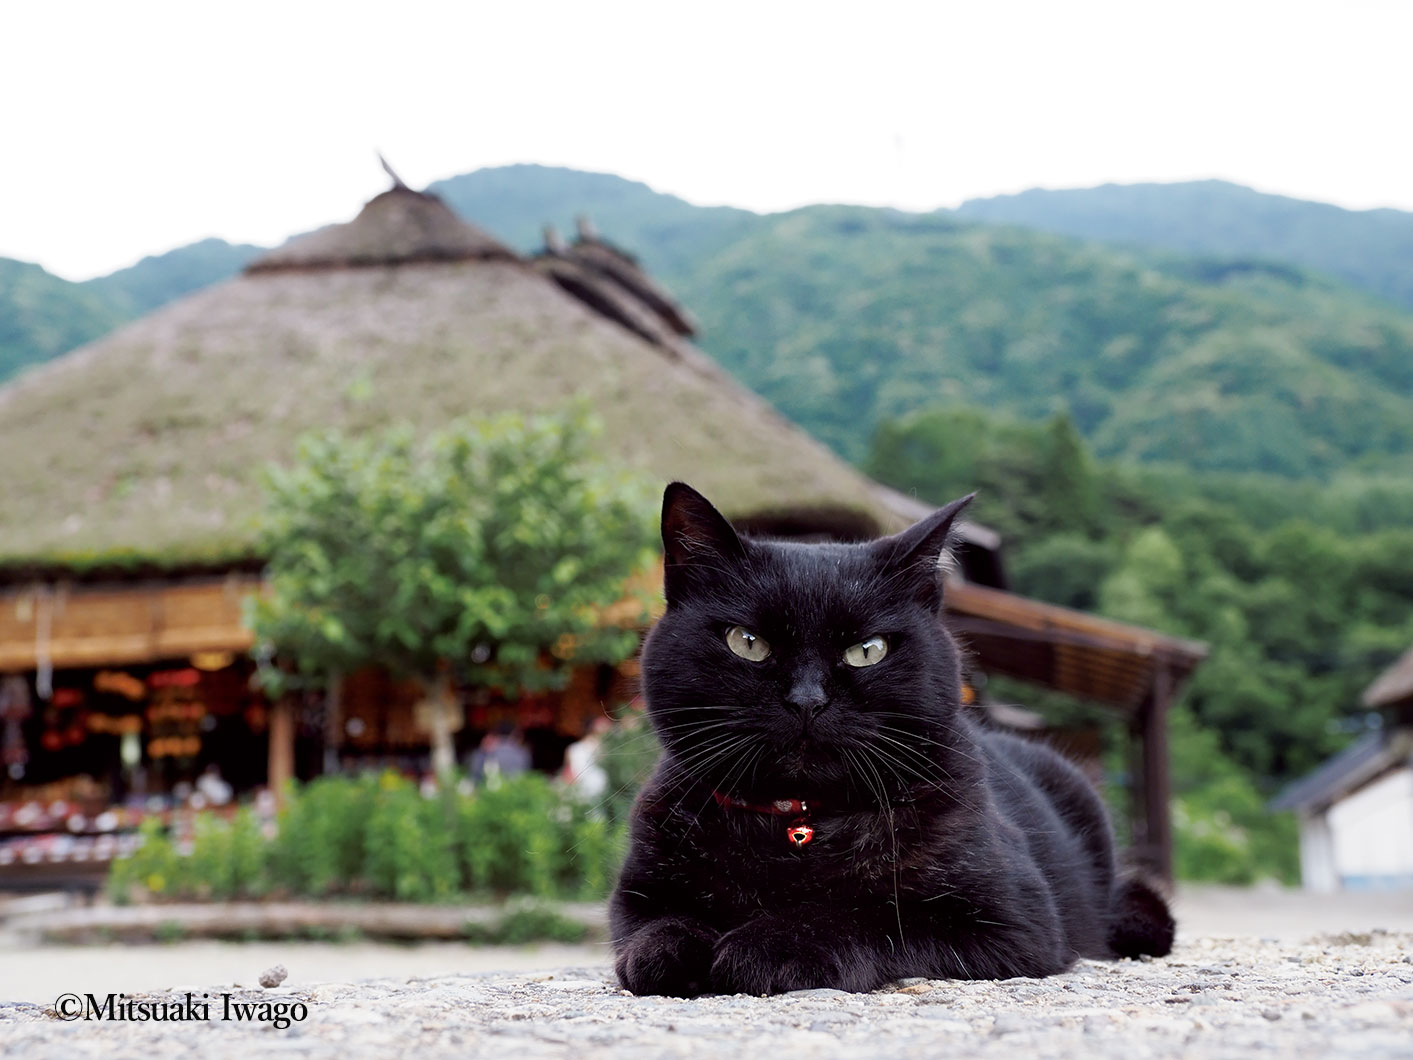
1356, 810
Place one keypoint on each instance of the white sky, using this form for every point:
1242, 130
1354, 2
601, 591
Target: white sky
130, 127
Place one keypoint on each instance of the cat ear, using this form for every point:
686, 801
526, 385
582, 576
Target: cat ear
922, 549
694, 532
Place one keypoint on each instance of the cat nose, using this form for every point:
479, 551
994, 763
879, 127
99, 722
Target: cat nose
807, 696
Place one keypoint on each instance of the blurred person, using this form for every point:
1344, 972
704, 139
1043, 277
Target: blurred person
582, 770
212, 785
502, 753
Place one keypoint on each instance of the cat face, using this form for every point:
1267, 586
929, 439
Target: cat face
788, 670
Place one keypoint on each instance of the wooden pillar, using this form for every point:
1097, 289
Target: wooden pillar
1137, 789
1157, 774
333, 723
281, 760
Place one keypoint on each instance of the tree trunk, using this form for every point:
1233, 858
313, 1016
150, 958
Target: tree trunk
280, 767
441, 699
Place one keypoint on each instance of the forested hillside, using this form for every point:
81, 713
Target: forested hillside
1368, 249
42, 316
159, 279
672, 237
844, 317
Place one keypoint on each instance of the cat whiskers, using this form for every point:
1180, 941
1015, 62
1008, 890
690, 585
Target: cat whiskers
895, 763
877, 785
951, 748
752, 756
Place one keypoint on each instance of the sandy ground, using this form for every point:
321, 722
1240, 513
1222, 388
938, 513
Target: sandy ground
39, 973
1342, 997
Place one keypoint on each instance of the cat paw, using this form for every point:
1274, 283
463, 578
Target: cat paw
671, 956
770, 956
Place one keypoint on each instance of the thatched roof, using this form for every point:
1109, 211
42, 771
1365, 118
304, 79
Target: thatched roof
620, 268
398, 227
149, 441
606, 299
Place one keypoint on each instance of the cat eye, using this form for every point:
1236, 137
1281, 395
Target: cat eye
867, 652
746, 644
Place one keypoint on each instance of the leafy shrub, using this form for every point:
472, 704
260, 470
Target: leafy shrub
321, 845
523, 835
228, 858
378, 836
526, 923
410, 851
155, 866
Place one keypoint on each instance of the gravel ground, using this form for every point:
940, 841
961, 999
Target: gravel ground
1332, 996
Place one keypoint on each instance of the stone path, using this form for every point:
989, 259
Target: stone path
1334, 996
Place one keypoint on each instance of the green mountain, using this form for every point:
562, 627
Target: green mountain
844, 317
670, 235
161, 278
42, 316
1368, 249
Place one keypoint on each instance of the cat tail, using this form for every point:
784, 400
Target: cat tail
1139, 920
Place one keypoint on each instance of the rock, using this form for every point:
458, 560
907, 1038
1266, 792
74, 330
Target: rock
274, 976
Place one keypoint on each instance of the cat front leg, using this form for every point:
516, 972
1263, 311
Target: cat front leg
670, 955
800, 950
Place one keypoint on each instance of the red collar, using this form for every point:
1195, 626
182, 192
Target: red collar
780, 807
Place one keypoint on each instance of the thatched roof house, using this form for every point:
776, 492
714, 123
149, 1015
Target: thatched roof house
149, 440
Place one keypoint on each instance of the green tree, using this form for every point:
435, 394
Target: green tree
490, 549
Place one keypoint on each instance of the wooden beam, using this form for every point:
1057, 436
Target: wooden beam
966, 598
116, 625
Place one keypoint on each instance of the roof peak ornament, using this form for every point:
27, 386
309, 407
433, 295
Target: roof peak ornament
398, 183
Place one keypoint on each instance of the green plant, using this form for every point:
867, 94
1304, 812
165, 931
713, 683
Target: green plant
525, 923
155, 866
379, 836
228, 857
170, 931
410, 844
321, 844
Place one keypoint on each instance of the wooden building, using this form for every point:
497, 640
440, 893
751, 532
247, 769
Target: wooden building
131, 476
1356, 809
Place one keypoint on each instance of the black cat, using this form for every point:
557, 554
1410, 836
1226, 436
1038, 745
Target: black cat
824, 814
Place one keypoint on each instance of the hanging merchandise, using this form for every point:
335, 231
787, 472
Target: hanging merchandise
65, 720
174, 714
122, 684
